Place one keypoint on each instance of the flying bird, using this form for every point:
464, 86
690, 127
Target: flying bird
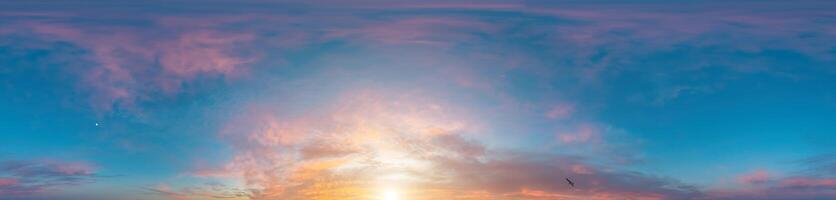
570, 182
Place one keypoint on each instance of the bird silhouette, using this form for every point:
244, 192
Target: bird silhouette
570, 182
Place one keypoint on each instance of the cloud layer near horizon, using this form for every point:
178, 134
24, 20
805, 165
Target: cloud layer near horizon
369, 141
24, 178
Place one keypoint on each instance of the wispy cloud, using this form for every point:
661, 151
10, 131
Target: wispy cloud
209, 190
24, 178
814, 183
560, 111
135, 63
756, 177
786, 188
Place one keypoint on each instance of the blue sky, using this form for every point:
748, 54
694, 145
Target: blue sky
417, 100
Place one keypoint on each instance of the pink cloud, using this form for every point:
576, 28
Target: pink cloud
205, 191
433, 31
581, 169
167, 191
529, 193
584, 133
467, 77
38, 176
639, 23
7, 181
810, 182
74, 168
784, 188
560, 111
756, 177
134, 63
455, 5
204, 52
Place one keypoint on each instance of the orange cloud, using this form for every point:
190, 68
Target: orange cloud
366, 139
369, 141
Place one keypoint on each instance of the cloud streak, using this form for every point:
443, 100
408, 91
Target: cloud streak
26, 178
135, 63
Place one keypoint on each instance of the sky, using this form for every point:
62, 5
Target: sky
415, 100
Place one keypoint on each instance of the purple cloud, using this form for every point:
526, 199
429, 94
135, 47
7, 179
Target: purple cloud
136, 63
165, 53
817, 182
802, 188
24, 178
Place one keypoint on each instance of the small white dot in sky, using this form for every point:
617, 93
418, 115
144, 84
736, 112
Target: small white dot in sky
97, 124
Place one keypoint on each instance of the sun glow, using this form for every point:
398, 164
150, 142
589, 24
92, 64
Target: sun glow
390, 194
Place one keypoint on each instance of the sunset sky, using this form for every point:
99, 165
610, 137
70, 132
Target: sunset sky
417, 100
